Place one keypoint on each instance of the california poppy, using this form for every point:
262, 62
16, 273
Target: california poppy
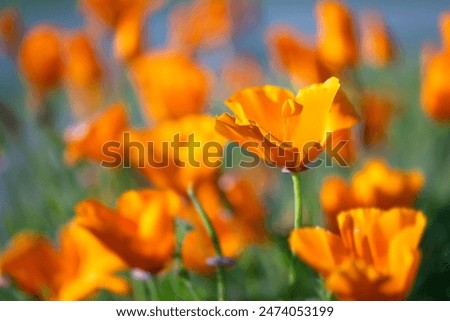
435, 91
89, 138
375, 256
10, 31
286, 130
376, 113
444, 21
141, 230
376, 185
177, 153
130, 34
201, 23
236, 227
296, 57
76, 270
164, 96
336, 38
242, 71
109, 11
83, 74
378, 46
41, 57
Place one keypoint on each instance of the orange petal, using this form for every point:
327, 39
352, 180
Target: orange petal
32, 262
310, 125
262, 105
355, 280
321, 249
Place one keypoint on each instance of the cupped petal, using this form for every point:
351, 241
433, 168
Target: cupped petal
354, 227
261, 105
396, 224
307, 120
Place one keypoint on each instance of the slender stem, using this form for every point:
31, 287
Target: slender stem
297, 222
139, 293
212, 234
297, 200
151, 285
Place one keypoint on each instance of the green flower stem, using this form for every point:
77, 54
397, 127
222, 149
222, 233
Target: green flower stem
152, 287
212, 234
139, 293
297, 222
298, 200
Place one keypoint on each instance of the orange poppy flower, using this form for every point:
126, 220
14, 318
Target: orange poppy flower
376, 112
201, 23
376, 185
83, 75
375, 256
130, 34
336, 39
88, 139
41, 57
242, 71
164, 96
435, 91
445, 30
75, 271
10, 31
177, 153
296, 57
236, 230
106, 11
141, 231
110, 11
378, 47
286, 130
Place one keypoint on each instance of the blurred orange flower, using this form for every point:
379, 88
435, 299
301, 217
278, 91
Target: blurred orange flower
236, 227
375, 256
130, 34
242, 71
286, 130
336, 39
83, 75
170, 85
87, 139
75, 271
376, 185
445, 30
107, 11
201, 23
141, 231
292, 53
376, 113
10, 31
435, 91
41, 57
344, 142
110, 11
177, 153
378, 47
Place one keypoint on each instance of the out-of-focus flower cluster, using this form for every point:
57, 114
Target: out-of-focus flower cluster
370, 249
